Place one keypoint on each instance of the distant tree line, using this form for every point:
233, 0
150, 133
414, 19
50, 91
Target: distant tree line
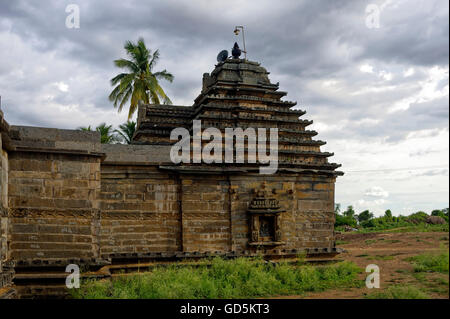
108, 135
366, 219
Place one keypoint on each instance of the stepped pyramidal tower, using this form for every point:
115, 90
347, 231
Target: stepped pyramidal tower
238, 93
66, 198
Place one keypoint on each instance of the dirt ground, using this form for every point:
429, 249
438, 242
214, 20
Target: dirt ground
389, 251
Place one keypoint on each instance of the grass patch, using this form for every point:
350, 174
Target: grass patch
432, 282
401, 271
431, 262
439, 286
393, 241
238, 278
342, 242
399, 292
420, 228
370, 241
380, 257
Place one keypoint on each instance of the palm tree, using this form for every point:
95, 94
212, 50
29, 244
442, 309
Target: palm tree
140, 83
106, 134
126, 131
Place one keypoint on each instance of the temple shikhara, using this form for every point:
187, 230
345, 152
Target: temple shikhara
68, 199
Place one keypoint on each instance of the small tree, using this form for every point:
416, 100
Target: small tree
347, 218
126, 131
436, 212
388, 214
337, 208
441, 213
106, 133
349, 212
364, 216
445, 211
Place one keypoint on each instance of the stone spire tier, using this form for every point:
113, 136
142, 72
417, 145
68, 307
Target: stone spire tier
238, 93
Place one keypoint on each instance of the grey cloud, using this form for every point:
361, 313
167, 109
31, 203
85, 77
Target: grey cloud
300, 42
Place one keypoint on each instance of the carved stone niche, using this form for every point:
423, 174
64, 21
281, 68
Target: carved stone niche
265, 219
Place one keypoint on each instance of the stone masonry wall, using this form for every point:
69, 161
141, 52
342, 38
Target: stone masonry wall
3, 206
53, 205
206, 213
308, 220
314, 220
64, 205
139, 210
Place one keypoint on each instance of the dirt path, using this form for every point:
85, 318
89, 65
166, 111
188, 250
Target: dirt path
389, 251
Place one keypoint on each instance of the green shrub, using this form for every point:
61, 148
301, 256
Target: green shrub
417, 218
431, 262
413, 222
345, 220
239, 278
399, 292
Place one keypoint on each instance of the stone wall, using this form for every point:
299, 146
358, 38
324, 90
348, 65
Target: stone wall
308, 201
6, 267
53, 195
206, 213
146, 210
3, 206
139, 210
90, 201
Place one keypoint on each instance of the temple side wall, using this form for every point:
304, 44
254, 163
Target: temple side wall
65, 205
314, 218
53, 205
206, 213
53, 189
3, 206
308, 201
139, 210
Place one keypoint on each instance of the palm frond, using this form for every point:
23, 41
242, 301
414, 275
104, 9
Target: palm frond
164, 75
124, 63
154, 60
117, 78
162, 94
84, 128
126, 131
125, 97
113, 95
126, 81
106, 133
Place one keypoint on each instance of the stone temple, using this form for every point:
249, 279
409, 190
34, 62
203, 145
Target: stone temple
68, 199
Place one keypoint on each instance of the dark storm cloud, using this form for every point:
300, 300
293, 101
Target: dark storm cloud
309, 37
303, 44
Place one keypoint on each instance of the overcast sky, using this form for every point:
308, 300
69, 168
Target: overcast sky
378, 94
